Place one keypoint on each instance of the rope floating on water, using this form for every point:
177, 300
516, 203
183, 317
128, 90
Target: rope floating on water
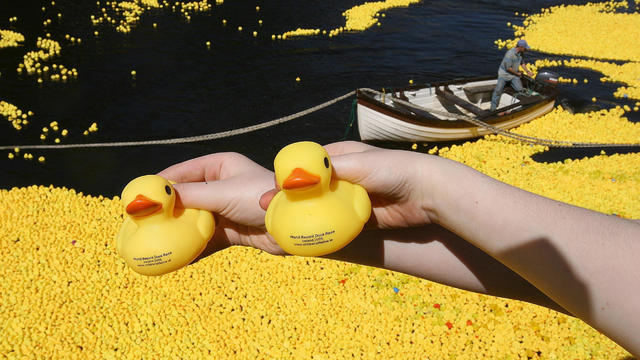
218, 135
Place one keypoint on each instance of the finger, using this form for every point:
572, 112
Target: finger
346, 147
266, 198
206, 168
357, 167
209, 196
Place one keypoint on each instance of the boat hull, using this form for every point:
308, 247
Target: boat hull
380, 120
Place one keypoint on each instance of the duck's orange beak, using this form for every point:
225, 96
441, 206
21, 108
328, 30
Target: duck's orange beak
299, 178
142, 206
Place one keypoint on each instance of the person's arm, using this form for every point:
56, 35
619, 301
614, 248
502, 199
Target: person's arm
583, 260
231, 185
514, 71
526, 68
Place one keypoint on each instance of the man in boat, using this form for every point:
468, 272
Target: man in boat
509, 71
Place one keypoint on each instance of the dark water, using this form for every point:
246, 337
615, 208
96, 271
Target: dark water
184, 89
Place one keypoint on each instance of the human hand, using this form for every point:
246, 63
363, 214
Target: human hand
393, 179
229, 185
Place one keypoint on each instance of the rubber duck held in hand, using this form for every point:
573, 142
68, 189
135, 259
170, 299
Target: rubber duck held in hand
157, 237
313, 214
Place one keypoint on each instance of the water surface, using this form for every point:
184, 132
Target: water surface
182, 88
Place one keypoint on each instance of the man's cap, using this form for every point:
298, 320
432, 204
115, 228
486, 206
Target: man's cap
523, 43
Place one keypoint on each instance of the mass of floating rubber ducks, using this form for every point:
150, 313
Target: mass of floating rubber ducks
59, 262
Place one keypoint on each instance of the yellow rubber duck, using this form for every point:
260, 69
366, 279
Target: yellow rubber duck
313, 215
156, 237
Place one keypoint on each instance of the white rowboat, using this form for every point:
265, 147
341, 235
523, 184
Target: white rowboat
442, 111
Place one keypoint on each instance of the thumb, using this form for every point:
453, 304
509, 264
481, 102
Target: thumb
234, 198
357, 168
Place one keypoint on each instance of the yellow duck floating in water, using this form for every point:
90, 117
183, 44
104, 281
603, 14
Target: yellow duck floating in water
156, 237
313, 215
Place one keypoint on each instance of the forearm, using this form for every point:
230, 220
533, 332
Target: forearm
513, 71
526, 68
434, 253
565, 251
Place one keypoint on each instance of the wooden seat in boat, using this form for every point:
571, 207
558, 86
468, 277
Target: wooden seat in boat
481, 93
448, 96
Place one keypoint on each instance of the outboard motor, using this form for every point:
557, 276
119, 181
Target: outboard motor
547, 77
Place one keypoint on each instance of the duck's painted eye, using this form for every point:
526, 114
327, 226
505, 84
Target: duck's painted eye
167, 188
326, 162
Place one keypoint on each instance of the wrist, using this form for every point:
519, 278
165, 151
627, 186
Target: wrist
450, 190
431, 182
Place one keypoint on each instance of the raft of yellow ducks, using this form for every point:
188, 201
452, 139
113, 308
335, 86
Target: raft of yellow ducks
65, 293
